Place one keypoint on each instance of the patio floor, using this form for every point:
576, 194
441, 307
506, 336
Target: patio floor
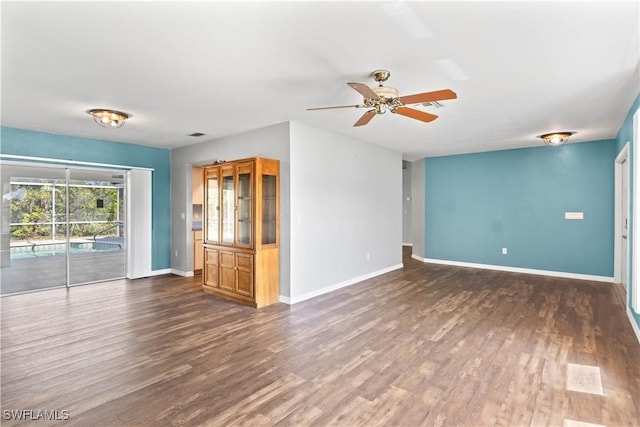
29, 274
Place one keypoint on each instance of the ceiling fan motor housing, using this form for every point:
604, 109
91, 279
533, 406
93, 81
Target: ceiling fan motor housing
385, 92
388, 100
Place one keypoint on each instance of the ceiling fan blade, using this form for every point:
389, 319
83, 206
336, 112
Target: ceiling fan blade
416, 114
364, 90
366, 118
338, 106
437, 95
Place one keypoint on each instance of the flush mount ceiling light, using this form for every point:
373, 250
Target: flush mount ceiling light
108, 118
556, 138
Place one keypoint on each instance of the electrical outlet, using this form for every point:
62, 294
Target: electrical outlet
574, 215
504, 251
176, 252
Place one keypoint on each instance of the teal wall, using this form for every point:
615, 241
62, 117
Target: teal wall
626, 135
37, 144
477, 204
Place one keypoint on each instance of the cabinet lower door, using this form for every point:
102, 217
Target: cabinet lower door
244, 271
211, 268
227, 271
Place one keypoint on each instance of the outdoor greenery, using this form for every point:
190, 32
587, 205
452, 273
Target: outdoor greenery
35, 214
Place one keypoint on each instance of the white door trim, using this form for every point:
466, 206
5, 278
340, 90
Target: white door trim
635, 217
617, 261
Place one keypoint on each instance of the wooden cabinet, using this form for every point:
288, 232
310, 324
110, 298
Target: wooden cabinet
241, 231
196, 186
197, 250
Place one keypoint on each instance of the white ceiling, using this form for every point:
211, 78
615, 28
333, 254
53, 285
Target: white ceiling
519, 68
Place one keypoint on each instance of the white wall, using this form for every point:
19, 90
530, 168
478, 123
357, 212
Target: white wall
270, 142
346, 210
406, 203
417, 206
344, 195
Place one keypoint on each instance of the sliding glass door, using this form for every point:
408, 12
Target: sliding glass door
60, 227
33, 229
96, 226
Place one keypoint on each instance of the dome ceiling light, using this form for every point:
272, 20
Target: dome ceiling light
556, 138
109, 118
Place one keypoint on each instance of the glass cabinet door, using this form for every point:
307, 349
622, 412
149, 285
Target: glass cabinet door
244, 205
269, 213
213, 208
228, 206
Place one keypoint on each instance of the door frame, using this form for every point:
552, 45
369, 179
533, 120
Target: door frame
635, 218
137, 226
622, 157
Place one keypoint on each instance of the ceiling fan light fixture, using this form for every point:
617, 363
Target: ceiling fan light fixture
109, 118
555, 139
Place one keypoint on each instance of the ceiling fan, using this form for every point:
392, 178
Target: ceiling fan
381, 99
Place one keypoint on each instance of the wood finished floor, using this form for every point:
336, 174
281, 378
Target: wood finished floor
424, 345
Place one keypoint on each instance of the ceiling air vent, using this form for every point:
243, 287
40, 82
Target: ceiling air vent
432, 105
196, 134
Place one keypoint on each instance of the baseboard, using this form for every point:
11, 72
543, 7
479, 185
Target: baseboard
153, 273
634, 325
551, 273
407, 244
285, 300
180, 272
327, 289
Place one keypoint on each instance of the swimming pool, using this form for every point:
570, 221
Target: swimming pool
52, 249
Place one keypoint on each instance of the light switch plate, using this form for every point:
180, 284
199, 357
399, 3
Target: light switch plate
574, 215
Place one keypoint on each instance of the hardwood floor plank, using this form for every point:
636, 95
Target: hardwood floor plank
423, 345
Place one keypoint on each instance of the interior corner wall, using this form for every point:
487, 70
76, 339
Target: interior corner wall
270, 142
477, 204
23, 142
417, 206
346, 210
